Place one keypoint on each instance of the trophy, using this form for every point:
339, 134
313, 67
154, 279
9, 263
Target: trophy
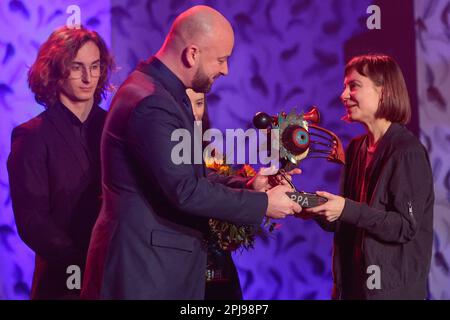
301, 137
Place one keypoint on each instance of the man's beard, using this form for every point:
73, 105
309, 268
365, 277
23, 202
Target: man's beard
201, 82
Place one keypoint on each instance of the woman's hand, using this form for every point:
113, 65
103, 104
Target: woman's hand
331, 210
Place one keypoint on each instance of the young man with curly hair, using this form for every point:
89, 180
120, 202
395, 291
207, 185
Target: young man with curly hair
54, 164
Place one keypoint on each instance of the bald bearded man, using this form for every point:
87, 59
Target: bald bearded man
148, 242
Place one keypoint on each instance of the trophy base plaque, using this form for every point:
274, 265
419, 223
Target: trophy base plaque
306, 199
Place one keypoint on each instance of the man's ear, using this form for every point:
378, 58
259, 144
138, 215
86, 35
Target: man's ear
191, 55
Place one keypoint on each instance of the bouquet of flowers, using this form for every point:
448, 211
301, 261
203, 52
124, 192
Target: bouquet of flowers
228, 236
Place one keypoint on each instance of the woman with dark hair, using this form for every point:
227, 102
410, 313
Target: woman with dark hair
54, 164
383, 223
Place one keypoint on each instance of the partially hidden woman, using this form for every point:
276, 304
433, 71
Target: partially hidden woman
222, 279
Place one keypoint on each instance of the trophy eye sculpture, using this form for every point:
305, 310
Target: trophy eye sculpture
301, 137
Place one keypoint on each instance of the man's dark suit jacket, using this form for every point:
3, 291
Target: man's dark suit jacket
148, 242
55, 192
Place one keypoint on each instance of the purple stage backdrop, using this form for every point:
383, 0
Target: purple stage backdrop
287, 54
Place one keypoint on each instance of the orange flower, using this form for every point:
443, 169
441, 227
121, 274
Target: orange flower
247, 171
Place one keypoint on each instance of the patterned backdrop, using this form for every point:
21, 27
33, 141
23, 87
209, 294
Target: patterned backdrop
287, 53
433, 68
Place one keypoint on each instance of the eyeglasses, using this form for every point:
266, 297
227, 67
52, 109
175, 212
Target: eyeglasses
77, 70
